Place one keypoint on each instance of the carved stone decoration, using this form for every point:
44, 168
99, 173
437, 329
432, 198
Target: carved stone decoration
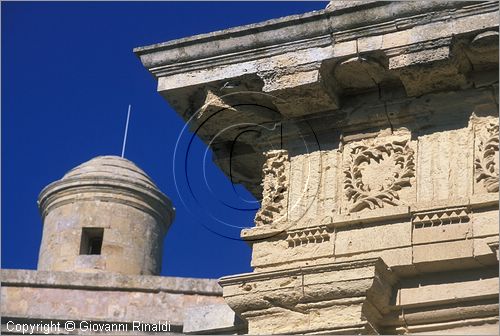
307, 236
275, 188
441, 217
486, 162
375, 174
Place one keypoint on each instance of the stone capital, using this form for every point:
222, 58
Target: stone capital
338, 298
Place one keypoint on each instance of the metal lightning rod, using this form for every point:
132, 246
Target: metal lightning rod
126, 130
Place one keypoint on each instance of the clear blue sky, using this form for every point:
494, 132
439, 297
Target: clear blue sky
68, 74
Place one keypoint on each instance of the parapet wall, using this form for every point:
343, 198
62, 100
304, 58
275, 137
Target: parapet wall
110, 299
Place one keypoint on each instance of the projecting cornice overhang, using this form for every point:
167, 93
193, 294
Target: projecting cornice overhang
304, 66
292, 33
320, 27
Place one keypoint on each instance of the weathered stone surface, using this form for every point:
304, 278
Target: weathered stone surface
275, 183
385, 117
105, 297
109, 281
309, 298
431, 302
315, 62
212, 319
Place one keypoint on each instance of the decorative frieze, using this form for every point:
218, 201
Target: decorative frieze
374, 175
486, 161
442, 236
275, 188
441, 217
307, 236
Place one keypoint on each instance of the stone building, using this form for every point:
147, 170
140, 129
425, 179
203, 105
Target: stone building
368, 130
103, 229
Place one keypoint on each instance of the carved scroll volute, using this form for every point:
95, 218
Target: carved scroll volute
486, 158
275, 185
375, 174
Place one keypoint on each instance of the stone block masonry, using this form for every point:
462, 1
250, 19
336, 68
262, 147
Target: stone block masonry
374, 152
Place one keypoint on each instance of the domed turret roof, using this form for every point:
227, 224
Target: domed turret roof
112, 178
110, 167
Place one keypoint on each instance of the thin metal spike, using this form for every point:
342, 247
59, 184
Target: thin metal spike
126, 130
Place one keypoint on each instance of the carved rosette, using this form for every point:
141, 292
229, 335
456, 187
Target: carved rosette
374, 175
275, 188
486, 162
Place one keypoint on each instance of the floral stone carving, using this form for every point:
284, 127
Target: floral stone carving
375, 174
486, 162
275, 187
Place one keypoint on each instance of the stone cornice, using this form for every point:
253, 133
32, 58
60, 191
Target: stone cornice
292, 33
260, 276
133, 193
423, 302
382, 216
297, 293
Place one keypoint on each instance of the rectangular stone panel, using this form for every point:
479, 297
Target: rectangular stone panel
442, 233
296, 245
444, 165
453, 223
443, 251
485, 222
378, 174
397, 258
447, 292
305, 187
374, 237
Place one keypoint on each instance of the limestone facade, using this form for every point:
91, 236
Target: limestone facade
369, 131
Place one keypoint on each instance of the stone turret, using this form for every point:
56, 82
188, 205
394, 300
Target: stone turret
105, 215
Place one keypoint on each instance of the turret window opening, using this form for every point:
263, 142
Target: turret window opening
91, 242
